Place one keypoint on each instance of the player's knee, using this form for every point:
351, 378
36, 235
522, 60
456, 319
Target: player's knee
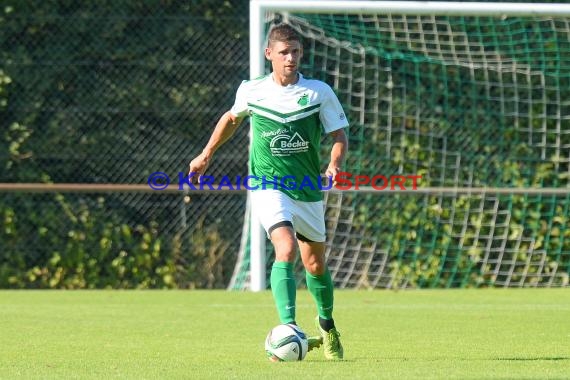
285, 250
316, 268
287, 255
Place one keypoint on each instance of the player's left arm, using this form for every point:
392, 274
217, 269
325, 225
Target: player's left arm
334, 121
338, 151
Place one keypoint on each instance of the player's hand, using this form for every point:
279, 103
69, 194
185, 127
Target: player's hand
198, 165
332, 171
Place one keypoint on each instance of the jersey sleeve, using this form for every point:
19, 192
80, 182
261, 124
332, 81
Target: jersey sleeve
239, 108
332, 115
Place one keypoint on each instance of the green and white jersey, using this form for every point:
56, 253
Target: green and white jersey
286, 127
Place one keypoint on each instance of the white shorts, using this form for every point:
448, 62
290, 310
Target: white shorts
274, 208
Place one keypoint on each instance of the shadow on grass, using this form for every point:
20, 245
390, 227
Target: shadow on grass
554, 358
534, 359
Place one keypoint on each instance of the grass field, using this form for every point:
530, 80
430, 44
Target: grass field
461, 334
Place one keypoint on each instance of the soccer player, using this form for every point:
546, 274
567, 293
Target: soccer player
288, 113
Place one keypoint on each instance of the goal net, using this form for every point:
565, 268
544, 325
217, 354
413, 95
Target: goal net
478, 103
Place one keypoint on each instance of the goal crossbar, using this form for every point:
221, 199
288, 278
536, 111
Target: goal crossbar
441, 8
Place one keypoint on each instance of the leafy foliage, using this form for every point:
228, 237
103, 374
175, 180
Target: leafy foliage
109, 92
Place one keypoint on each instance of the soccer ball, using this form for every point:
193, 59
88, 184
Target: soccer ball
286, 343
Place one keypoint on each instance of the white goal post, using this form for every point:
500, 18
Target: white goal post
260, 9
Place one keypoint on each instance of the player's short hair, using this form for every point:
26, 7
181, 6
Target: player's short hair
283, 33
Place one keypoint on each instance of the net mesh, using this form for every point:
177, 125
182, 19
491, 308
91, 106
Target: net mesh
461, 101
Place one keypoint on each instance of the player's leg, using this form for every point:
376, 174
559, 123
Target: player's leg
283, 284
319, 281
272, 208
320, 285
310, 227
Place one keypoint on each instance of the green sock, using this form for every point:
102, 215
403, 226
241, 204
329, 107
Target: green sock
321, 288
284, 289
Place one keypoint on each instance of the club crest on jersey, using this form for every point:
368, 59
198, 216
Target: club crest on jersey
285, 145
303, 100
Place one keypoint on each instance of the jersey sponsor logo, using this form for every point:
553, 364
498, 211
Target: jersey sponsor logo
286, 145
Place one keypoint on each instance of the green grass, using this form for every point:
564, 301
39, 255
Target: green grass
446, 334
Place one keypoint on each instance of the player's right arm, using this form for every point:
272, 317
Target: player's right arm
225, 129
